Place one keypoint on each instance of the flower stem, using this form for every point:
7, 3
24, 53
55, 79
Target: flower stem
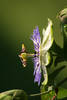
40, 93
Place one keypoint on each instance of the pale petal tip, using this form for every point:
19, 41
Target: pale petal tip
50, 21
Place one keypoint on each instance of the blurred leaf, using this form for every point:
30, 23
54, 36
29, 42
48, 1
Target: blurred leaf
54, 74
62, 94
62, 82
65, 29
56, 49
58, 60
57, 53
63, 22
13, 95
63, 16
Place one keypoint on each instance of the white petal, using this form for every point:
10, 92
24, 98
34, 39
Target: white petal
45, 61
45, 58
43, 32
47, 36
45, 75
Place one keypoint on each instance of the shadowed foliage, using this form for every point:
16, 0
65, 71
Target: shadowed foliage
65, 98
13, 95
61, 82
54, 74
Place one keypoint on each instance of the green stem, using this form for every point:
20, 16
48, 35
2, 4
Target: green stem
40, 93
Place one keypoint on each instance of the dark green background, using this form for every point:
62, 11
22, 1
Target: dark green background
18, 18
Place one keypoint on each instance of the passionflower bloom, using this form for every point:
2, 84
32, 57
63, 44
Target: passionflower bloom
42, 56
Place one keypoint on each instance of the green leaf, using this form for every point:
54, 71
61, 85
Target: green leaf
13, 95
63, 16
62, 94
54, 74
63, 22
48, 95
65, 30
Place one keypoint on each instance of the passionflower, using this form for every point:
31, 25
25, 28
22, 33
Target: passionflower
42, 58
